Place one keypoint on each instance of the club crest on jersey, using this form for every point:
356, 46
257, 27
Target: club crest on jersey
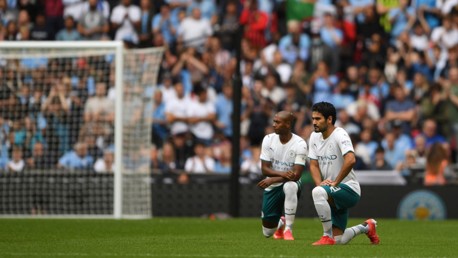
291, 154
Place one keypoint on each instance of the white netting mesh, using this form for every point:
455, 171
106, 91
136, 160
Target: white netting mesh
140, 72
57, 129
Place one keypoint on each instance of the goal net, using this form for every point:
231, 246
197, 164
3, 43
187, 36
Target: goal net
75, 129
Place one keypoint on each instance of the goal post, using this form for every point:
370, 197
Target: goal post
85, 108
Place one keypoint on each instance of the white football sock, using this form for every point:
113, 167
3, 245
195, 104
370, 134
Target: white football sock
320, 199
350, 233
268, 232
280, 223
290, 189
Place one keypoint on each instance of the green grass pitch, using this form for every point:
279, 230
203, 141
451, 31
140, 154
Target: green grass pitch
196, 237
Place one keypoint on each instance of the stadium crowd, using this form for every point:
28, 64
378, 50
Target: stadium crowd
389, 66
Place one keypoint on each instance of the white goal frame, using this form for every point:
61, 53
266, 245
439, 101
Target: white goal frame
119, 51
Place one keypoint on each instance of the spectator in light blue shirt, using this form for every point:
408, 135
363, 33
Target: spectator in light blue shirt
4, 143
160, 130
294, 45
342, 97
329, 33
69, 33
163, 23
428, 10
223, 106
361, 4
77, 159
401, 18
207, 9
394, 155
223, 161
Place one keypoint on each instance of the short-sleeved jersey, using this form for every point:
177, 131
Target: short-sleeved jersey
329, 154
283, 156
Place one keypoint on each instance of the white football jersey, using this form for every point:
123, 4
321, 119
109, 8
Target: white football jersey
283, 156
329, 154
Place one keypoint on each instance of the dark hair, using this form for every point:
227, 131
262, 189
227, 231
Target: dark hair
379, 149
436, 154
326, 109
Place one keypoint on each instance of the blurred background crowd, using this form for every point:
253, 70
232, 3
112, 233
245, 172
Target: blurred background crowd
389, 66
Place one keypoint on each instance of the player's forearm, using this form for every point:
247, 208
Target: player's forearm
349, 162
316, 176
266, 171
315, 173
278, 180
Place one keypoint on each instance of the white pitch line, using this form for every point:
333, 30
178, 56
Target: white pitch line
141, 255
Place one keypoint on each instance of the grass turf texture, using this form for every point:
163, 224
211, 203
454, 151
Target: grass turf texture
195, 237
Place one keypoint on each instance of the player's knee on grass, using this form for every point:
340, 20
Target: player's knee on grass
268, 232
290, 188
319, 194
